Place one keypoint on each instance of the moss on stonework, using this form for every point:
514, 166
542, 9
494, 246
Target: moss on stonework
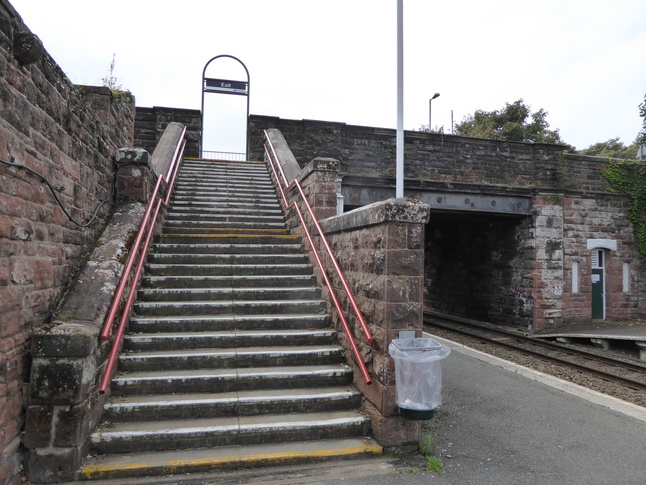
628, 177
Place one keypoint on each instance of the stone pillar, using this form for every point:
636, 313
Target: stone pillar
380, 248
548, 273
135, 178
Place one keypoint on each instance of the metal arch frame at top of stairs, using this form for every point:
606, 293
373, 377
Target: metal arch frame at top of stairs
273, 160
137, 255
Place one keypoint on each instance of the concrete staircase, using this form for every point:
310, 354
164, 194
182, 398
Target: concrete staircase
231, 360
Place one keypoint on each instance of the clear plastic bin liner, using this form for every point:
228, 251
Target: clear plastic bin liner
418, 372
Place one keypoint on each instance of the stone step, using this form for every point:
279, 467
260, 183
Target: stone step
184, 462
200, 174
224, 203
209, 323
240, 357
201, 210
219, 294
258, 217
255, 172
192, 248
227, 339
228, 307
244, 403
141, 436
175, 235
233, 193
197, 224
230, 380
228, 181
231, 259
238, 281
227, 269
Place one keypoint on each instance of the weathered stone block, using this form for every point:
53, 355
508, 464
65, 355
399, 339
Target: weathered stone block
393, 430
65, 340
62, 380
53, 465
133, 156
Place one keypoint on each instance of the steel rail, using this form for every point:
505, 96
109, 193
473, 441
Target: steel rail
137, 256
434, 320
353, 345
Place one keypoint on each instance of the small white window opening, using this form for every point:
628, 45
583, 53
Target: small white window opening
575, 277
626, 278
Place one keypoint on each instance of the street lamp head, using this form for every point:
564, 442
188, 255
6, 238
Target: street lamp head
435, 95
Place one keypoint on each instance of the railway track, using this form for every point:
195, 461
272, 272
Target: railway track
617, 370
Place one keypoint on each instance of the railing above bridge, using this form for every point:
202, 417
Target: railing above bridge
232, 156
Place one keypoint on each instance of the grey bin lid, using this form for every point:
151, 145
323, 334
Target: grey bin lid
418, 349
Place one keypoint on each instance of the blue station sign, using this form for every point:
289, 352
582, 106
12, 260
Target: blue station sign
225, 86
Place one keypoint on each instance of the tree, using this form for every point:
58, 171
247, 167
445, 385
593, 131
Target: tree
515, 122
612, 148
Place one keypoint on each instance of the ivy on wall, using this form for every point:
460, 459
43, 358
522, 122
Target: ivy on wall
628, 177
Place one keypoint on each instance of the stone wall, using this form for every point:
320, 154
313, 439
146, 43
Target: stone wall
380, 248
150, 124
600, 219
68, 134
369, 151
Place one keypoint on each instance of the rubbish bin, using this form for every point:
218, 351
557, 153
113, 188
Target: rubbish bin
419, 375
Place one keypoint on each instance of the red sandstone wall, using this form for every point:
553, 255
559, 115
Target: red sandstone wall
369, 151
47, 124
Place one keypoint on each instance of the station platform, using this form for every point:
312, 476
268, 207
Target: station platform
499, 424
602, 334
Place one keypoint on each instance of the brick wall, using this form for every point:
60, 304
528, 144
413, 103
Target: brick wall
69, 134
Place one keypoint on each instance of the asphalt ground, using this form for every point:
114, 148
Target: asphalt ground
499, 424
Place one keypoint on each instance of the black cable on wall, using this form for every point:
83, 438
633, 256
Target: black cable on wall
12, 163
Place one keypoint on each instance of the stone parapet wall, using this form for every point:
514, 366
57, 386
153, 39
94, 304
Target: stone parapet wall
68, 134
368, 151
150, 124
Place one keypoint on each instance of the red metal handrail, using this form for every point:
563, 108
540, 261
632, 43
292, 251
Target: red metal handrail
137, 256
271, 156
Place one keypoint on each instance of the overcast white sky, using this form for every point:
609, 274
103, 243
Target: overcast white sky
583, 61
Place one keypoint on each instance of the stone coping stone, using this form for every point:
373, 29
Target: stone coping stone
398, 210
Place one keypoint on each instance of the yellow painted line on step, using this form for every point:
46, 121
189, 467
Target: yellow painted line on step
216, 462
105, 471
278, 458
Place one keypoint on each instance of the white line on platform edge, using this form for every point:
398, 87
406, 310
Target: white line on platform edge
590, 395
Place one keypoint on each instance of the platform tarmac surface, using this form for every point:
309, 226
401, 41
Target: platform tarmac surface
500, 424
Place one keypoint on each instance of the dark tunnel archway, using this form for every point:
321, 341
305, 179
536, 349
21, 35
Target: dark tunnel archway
476, 266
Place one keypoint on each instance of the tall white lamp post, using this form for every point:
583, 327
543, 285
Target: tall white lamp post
399, 182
